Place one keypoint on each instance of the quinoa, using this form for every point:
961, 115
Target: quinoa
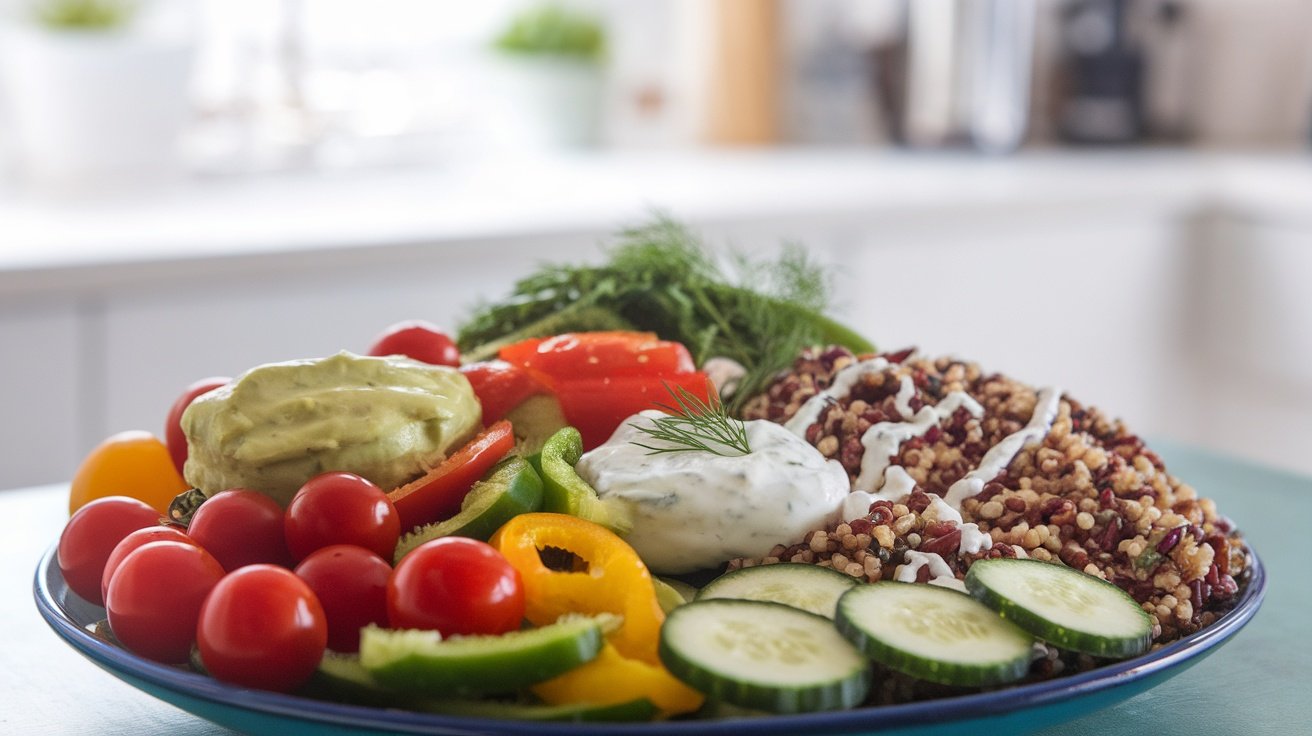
1090, 495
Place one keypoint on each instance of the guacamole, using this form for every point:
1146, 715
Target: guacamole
388, 419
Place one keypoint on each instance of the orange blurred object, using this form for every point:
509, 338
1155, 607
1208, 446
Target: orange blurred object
133, 463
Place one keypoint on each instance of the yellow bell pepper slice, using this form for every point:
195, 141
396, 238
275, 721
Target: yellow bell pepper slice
609, 577
606, 576
611, 678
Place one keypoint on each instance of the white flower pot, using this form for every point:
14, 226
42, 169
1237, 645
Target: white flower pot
89, 109
551, 101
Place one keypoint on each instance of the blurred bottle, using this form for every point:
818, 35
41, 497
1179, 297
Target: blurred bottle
968, 71
1170, 79
1104, 71
742, 104
829, 94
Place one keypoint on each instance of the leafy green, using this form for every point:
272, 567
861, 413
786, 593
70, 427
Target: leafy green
661, 277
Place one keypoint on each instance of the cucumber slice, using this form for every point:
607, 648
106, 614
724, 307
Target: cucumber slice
808, 587
1063, 606
512, 488
934, 633
417, 661
765, 656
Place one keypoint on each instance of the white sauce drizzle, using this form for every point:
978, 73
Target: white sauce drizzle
938, 569
972, 539
897, 484
882, 441
1000, 455
902, 402
842, 385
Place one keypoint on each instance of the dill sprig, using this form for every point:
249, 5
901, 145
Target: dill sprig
696, 425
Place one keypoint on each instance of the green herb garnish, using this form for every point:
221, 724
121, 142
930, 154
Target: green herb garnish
660, 277
696, 425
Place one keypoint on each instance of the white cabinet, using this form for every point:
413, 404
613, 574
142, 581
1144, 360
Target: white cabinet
45, 369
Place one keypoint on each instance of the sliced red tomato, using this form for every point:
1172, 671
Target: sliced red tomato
438, 494
577, 355
501, 386
597, 406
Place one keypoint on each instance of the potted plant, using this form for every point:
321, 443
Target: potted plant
93, 94
549, 66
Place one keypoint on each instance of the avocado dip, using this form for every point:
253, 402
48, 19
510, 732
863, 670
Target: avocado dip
388, 419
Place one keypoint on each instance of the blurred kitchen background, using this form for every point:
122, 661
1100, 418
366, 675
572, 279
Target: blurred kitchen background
1110, 195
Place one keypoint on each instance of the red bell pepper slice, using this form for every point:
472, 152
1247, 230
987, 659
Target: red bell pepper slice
437, 495
501, 386
599, 354
597, 406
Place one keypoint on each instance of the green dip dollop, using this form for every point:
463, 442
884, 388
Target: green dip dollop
387, 419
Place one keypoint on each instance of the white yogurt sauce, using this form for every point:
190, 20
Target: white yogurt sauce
694, 510
844, 381
1000, 455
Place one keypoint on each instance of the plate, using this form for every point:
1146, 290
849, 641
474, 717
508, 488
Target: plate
1012, 710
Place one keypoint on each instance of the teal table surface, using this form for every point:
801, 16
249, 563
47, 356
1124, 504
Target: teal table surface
1258, 683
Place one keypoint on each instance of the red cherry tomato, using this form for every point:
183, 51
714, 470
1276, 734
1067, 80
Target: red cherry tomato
262, 627
241, 527
437, 495
351, 584
456, 586
340, 508
139, 538
92, 534
155, 598
174, 437
418, 340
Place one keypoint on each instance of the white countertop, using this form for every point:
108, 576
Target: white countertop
72, 245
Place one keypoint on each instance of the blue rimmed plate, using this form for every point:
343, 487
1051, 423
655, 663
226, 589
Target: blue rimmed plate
1013, 710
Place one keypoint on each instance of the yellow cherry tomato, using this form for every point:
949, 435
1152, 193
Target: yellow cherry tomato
133, 463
